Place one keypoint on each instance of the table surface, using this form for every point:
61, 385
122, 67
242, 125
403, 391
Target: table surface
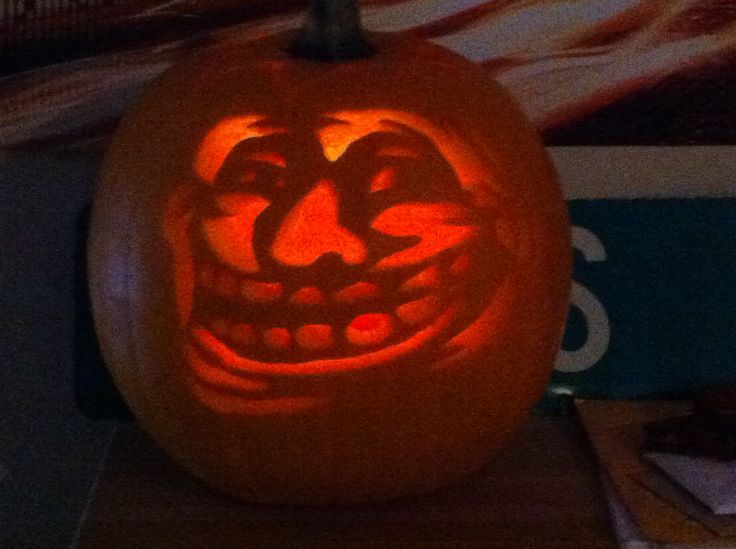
542, 491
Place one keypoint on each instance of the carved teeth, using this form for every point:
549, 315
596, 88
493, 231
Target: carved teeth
314, 336
369, 329
419, 310
428, 278
227, 283
261, 292
357, 292
307, 296
364, 330
277, 338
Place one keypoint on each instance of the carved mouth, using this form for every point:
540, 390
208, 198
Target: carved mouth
294, 321
222, 377
265, 346
245, 333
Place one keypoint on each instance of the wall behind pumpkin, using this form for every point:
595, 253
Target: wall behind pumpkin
49, 452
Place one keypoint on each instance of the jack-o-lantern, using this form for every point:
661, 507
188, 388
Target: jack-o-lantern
328, 282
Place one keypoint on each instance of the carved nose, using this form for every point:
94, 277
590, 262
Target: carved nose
312, 229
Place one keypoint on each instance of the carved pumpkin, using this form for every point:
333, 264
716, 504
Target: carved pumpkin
329, 282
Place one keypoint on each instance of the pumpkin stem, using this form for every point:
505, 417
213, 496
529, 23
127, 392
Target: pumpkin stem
332, 32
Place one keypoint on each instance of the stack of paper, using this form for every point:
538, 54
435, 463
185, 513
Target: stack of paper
711, 482
649, 509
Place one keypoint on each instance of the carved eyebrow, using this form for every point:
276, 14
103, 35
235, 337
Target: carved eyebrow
337, 136
402, 142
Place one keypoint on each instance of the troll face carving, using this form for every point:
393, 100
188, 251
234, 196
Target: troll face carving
359, 242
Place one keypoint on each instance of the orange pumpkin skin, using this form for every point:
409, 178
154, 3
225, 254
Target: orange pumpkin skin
329, 283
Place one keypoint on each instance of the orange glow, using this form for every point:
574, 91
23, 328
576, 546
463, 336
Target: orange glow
314, 336
221, 139
428, 278
355, 124
312, 229
231, 237
420, 310
433, 223
307, 296
357, 292
369, 329
336, 138
261, 292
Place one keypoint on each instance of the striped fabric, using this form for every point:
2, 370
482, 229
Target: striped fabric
561, 59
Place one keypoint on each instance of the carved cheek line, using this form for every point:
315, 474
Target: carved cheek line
177, 225
432, 222
231, 238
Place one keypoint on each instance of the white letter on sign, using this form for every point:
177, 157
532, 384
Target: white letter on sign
599, 329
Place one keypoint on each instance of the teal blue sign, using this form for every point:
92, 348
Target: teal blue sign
653, 304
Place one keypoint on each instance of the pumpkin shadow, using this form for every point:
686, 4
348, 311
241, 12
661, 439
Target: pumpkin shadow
95, 393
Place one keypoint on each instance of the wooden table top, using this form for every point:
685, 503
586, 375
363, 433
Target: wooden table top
542, 491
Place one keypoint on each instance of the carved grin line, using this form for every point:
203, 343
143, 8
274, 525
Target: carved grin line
224, 358
244, 328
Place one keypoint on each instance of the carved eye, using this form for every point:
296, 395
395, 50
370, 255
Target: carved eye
384, 179
253, 172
